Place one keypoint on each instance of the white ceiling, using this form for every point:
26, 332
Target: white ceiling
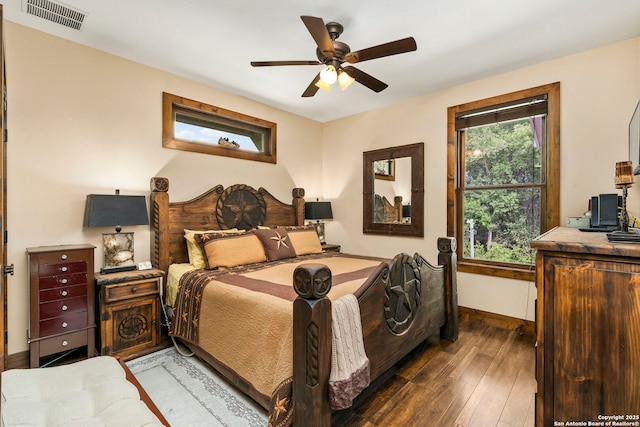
213, 41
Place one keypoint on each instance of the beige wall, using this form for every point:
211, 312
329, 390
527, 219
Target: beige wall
599, 90
82, 121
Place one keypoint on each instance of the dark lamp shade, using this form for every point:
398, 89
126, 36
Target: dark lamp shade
110, 210
406, 211
318, 210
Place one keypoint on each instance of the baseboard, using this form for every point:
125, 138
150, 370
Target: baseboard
18, 360
524, 327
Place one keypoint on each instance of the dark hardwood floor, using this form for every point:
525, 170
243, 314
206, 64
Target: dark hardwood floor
486, 378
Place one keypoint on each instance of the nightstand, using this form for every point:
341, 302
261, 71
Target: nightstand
129, 311
330, 247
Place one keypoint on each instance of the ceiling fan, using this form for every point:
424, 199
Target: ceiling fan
333, 54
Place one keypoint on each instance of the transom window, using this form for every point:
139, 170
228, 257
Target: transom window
195, 126
503, 185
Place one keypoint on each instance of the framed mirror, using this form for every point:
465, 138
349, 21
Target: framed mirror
393, 191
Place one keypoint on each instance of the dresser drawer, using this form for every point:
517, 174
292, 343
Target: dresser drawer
117, 292
63, 342
62, 280
64, 255
58, 325
62, 268
62, 307
65, 292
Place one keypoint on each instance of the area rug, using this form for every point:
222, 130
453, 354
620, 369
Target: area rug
190, 394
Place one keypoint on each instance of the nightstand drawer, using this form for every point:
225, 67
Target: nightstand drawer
58, 325
63, 343
122, 291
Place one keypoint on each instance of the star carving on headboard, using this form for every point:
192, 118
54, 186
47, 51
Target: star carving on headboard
240, 206
242, 210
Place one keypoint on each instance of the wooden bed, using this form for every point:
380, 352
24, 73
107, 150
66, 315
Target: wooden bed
390, 328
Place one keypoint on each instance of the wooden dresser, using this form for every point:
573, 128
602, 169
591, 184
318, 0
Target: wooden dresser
62, 316
588, 329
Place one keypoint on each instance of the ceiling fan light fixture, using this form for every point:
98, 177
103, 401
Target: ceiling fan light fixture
329, 75
344, 80
322, 85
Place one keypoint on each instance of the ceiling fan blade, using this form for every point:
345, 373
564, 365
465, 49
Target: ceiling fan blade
278, 63
387, 49
320, 35
312, 89
365, 79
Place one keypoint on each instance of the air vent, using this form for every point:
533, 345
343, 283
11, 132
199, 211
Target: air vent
55, 12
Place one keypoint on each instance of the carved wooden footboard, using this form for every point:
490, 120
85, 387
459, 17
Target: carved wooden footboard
400, 306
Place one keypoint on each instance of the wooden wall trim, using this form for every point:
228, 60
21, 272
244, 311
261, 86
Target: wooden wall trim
524, 327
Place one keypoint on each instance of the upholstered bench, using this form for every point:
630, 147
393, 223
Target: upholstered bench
99, 391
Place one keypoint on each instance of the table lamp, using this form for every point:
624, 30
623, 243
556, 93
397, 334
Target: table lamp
318, 210
115, 210
624, 179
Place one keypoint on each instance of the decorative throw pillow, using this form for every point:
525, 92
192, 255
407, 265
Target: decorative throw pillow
276, 243
230, 249
304, 239
196, 257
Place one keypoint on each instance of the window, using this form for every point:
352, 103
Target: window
503, 179
193, 126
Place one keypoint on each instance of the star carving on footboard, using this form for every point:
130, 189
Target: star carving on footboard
402, 294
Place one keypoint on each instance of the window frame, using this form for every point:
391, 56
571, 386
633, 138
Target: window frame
550, 193
173, 105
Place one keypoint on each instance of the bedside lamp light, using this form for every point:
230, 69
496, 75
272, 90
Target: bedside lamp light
624, 180
318, 210
115, 210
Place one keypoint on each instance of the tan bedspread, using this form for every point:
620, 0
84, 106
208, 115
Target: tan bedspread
243, 317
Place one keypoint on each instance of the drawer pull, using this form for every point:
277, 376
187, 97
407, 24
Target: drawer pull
64, 269
64, 293
64, 256
65, 343
64, 308
64, 281
134, 290
65, 324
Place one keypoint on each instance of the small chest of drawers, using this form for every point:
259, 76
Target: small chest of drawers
61, 294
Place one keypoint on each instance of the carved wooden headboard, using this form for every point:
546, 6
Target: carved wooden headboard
237, 206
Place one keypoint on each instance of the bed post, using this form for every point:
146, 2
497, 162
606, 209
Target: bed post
447, 257
298, 205
311, 346
159, 201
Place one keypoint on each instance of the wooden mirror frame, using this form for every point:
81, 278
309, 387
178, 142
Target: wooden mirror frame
416, 227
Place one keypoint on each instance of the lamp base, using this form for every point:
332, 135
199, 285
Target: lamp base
108, 270
118, 252
320, 230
